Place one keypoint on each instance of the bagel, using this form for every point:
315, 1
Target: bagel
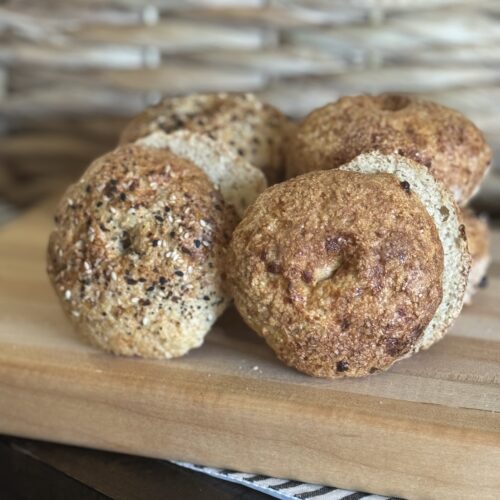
442, 139
239, 182
136, 253
254, 130
346, 271
478, 238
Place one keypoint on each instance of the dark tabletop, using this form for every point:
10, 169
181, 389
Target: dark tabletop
35, 469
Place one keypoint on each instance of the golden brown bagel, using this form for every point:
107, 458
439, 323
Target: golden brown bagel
440, 138
346, 271
137, 250
254, 130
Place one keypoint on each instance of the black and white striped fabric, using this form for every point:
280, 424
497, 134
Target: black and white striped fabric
284, 488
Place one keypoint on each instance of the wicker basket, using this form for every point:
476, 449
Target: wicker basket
72, 73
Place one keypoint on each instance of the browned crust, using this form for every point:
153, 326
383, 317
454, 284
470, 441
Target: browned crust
478, 234
336, 287
254, 130
446, 142
136, 253
478, 239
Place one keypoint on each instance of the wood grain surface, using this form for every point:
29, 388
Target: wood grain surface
429, 428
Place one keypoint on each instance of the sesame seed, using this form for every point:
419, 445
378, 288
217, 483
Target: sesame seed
86, 265
202, 223
134, 300
76, 314
145, 321
179, 273
70, 202
67, 294
153, 185
113, 276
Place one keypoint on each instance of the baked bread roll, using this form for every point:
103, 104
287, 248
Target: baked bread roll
343, 272
137, 250
442, 139
255, 131
478, 238
239, 182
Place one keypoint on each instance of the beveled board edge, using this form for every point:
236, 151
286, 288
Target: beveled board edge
359, 442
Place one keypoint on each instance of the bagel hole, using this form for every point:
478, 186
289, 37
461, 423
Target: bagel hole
394, 102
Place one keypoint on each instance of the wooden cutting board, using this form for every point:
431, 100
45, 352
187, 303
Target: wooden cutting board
429, 428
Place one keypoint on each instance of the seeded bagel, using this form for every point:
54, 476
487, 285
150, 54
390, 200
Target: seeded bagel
239, 182
137, 250
478, 238
442, 139
254, 130
346, 271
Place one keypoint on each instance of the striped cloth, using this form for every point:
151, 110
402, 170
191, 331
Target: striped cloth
283, 488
